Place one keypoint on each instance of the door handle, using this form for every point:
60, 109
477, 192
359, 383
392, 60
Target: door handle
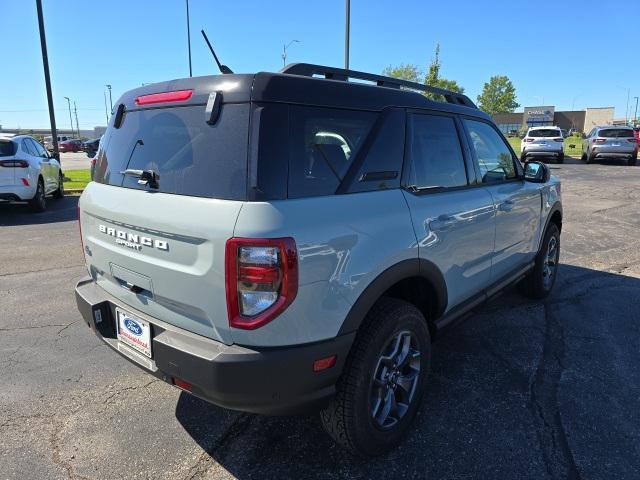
443, 222
507, 205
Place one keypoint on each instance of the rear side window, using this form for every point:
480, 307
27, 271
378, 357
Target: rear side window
494, 157
322, 145
27, 147
191, 157
616, 133
435, 153
545, 133
7, 148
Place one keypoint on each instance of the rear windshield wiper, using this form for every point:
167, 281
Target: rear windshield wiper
145, 177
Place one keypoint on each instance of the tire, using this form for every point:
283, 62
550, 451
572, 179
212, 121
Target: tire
39, 201
356, 418
561, 157
523, 157
541, 279
583, 157
633, 160
590, 158
59, 193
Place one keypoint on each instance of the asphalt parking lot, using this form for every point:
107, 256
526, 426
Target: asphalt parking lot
74, 160
518, 390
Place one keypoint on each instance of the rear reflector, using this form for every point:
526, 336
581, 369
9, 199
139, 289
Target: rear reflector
25, 182
324, 363
164, 97
181, 384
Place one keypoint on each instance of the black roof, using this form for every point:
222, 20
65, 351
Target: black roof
300, 84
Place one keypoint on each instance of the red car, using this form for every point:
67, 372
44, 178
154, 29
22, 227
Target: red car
636, 132
70, 146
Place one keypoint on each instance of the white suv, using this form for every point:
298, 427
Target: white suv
543, 142
28, 172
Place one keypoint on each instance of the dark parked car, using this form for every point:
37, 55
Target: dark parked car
70, 146
91, 147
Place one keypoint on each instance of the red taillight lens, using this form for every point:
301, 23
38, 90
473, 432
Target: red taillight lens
164, 97
324, 363
558, 139
632, 140
599, 140
14, 163
261, 279
527, 139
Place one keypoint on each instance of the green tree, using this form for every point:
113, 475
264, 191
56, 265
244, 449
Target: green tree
434, 79
404, 71
498, 96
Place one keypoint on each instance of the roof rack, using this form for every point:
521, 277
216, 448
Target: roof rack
332, 73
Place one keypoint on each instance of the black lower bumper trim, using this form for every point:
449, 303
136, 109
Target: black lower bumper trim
270, 381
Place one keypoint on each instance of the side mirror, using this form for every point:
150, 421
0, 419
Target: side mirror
536, 172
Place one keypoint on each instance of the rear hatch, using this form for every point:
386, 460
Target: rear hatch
621, 139
545, 137
8, 150
161, 250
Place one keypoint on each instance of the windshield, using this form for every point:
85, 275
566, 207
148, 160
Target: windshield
190, 156
616, 133
7, 148
545, 133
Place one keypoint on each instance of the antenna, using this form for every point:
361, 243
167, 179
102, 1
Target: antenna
223, 68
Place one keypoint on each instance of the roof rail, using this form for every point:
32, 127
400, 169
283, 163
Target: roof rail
332, 73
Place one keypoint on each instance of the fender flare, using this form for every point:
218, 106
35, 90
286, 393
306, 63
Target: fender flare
557, 207
414, 267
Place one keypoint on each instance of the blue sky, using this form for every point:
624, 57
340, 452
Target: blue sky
545, 47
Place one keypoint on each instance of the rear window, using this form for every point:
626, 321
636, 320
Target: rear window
616, 133
191, 157
323, 143
545, 133
7, 148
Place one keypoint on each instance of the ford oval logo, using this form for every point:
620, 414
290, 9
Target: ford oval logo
133, 326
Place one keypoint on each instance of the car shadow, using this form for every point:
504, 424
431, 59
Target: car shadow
58, 210
508, 391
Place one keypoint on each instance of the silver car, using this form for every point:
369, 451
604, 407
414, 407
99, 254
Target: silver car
610, 142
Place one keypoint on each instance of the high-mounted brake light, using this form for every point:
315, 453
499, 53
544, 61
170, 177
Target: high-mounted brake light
164, 97
261, 279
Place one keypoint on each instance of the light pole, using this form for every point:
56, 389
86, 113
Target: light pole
189, 39
284, 51
47, 78
635, 115
75, 109
70, 119
110, 99
346, 34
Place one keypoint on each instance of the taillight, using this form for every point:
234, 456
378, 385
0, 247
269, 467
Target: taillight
632, 140
599, 140
14, 163
261, 279
164, 97
527, 139
558, 139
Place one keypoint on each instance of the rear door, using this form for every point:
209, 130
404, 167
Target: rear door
161, 250
49, 167
8, 150
453, 219
517, 203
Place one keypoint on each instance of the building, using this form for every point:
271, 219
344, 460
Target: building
581, 120
42, 132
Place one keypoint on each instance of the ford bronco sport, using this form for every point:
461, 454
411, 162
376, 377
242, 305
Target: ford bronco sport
280, 242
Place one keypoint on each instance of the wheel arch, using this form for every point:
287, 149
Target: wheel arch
554, 216
417, 281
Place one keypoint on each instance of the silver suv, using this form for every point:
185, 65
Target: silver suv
610, 142
278, 242
543, 142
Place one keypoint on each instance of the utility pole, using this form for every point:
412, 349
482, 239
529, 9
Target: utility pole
70, 119
284, 51
75, 110
627, 112
635, 116
189, 39
346, 34
110, 100
47, 79
106, 114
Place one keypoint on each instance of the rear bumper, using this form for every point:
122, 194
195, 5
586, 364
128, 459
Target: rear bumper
612, 154
17, 193
270, 381
541, 153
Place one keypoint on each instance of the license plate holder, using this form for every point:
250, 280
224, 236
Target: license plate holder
133, 332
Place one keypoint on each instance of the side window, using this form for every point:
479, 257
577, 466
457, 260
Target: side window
40, 152
435, 154
494, 156
27, 147
322, 145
